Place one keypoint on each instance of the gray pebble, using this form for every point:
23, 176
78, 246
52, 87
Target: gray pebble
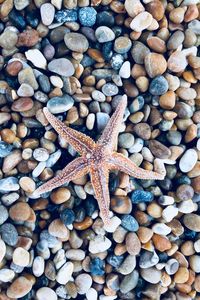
3, 214
61, 66
102, 120
104, 34
9, 184
58, 105
110, 89
9, 234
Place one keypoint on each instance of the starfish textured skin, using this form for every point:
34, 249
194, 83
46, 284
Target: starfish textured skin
97, 159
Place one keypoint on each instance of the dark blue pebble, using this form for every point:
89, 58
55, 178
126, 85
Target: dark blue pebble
129, 223
42, 282
116, 61
90, 205
113, 182
87, 16
29, 296
1, 27
32, 18
67, 216
66, 15
5, 149
97, 267
183, 180
105, 18
17, 19
44, 83
87, 61
137, 104
158, 86
189, 234
163, 257
139, 196
107, 50
79, 214
115, 260
117, 31
166, 184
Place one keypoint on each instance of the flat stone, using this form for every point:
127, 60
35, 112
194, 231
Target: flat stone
22, 104
133, 7
99, 244
47, 12
9, 184
188, 160
76, 42
37, 58
21, 257
6, 275
128, 265
46, 293
25, 90
65, 273
19, 287
192, 222
61, 66
151, 275
133, 244
129, 282
141, 22
104, 34
83, 283
57, 105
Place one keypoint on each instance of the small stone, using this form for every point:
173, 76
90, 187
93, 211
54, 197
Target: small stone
27, 184
168, 100
6, 275
38, 266
27, 76
139, 51
172, 266
128, 265
41, 154
126, 140
5, 149
192, 222
21, 257
151, 275
87, 16
47, 11
57, 105
25, 90
139, 196
59, 230
2, 250
161, 228
49, 239
37, 58
104, 34
113, 225
65, 273
169, 213
186, 93
9, 184
161, 243
143, 130
159, 150
155, 8
133, 8
99, 244
188, 160
141, 21
129, 223
14, 68
133, 244
177, 62
148, 259
8, 39
194, 25
19, 288
76, 42
61, 66
61, 195
121, 205
28, 38
67, 216
97, 267
3, 214
158, 86
175, 40
83, 283
20, 211
155, 64
102, 120
129, 282
122, 45
182, 275
91, 294
184, 192
9, 234
110, 89
22, 104
46, 293
125, 70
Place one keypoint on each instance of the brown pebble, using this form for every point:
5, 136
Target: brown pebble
8, 135
168, 100
182, 275
156, 44
161, 242
133, 244
96, 55
28, 38
155, 64
156, 9
191, 133
144, 234
22, 104
59, 230
86, 223
143, 130
20, 211
158, 149
121, 205
19, 287
61, 195
197, 283
27, 184
191, 13
14, 68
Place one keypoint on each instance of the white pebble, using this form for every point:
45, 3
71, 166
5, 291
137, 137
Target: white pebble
47, 11
37, 58
197, 246
186, 207
114, 223
188, 160
161, 228
56, 81
125, 70
91, 294
169, 213
45, 293
6, 275
83, 283
99, 244
65, 273
2, 250
38, 266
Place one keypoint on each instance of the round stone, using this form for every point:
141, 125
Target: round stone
139, 51
21, 257
141, 21
133, 7
122, 45
20, 211
87, 16
129, 223
133, 244
126, 140
138, 196
83, 283
46, 293
182, 275
9, 234
57, 105
158, 86
188, 160
59, 230
104, 34
155, 64
61, 66
151, 275
168, 100
3, 214
99, 244
47, 11
110, 89
22, 104
38, 266
27, 184
65, 272
40, 154
121, 205
19, 288
76, 42
192, 222
67, 216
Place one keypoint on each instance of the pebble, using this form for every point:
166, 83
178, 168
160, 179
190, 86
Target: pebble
188, 160
22, 104
125, 70
76, 42
126, 140
9, 234
61, 66
139, 196
6, 275
141, 22
169, 213
19, 287
172, 266
155, 64
83, 283
99, 244
37, 58
2, 250
46, 293
151, 275
133, 245
192, 222
65, 273
122, 45
101, 120
25, 90
110, 89
148, 259
38, 266
128, 265
129, 223
139, 51
177, 62
59, 230
57, 105
104, 34
8, 39
161, 228
27, 184
47, 11
133, 8
20, 211
21, 257
67, 216
158, 86
87, 16
129, 282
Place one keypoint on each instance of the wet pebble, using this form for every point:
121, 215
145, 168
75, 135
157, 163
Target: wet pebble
58, 105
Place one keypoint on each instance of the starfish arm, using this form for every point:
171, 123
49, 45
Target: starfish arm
119, 162
110, 133
75, 169
99, 179
81, 143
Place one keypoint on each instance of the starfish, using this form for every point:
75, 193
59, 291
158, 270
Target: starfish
97, 159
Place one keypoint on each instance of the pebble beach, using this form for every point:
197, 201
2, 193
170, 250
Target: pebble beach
78, 58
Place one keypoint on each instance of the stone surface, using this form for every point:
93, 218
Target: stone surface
61, 66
